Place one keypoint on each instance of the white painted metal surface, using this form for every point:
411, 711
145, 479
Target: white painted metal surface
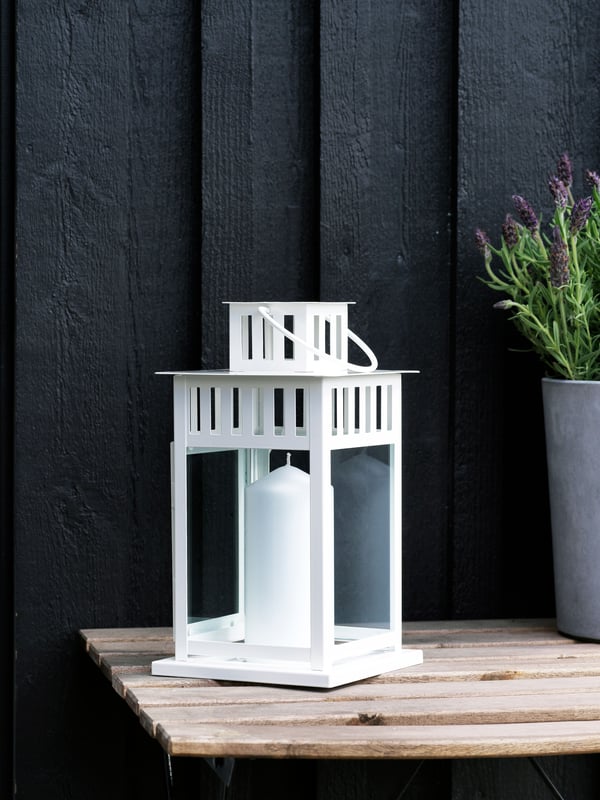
256, 413
293, 337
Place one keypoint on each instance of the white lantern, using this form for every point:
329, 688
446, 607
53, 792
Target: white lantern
296, 578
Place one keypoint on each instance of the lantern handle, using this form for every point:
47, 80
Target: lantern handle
265, 312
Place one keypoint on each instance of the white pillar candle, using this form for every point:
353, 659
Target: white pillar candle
277, 559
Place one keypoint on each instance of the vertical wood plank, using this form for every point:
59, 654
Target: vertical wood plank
7, 388
132, 212
258, 181
105, 129
386, 177
505, 779
251, 778
526, 94
226, 102
372, 780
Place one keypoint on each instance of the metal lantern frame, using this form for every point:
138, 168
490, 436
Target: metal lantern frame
235, 410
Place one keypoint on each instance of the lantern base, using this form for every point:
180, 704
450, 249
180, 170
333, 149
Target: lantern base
288, 673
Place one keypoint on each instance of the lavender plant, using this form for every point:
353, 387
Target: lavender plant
551, 280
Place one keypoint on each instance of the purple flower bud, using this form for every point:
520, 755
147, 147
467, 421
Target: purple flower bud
526, 213
483, 242
564, 170
559, 261
510, 232
592, 179
503, 305
559, 191
580, 213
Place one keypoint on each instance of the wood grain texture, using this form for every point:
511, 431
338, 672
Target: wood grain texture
524, 96
171, 155
7, 389
518, 694
386, 100
573, 776
150, 691
258, 159
105, 169
521, 95
429, 741
392, 712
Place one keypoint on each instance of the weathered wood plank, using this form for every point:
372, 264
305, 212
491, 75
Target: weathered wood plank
498, 626
126, 636
474, 676
525, 652
422, 634
147, 697
518, 110
386, 97
426, 632
441, 639
492, 670
453, 652
426, 741
495, 661
404, 712
258, 159
437, 669
504, 151
122, 682
126, 672
155, 648
124, 663
106, 229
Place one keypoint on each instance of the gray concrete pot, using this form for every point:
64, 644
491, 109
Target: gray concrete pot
572, 422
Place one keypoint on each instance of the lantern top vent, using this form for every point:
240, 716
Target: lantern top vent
293, 337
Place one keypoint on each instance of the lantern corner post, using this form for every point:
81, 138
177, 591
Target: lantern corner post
321, 527
396, 511
179, 516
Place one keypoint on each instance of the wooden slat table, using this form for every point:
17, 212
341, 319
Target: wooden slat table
486, 688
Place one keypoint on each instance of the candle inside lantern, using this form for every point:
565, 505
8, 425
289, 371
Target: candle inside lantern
277, 562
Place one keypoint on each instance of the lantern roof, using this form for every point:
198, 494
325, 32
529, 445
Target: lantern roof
263, 374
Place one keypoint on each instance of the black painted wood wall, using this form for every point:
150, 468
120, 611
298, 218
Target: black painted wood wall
160, 156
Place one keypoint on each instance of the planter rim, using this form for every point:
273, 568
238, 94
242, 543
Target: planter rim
568, 380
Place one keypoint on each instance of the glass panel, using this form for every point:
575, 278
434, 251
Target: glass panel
361, 485
212, 535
